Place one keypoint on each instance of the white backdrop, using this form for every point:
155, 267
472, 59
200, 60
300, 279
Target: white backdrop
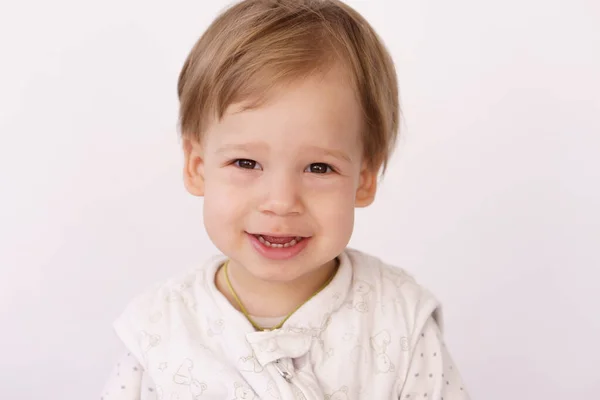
492, 200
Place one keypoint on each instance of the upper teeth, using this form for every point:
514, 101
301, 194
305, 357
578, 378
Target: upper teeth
293, 242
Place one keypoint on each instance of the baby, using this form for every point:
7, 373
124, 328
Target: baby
289, 113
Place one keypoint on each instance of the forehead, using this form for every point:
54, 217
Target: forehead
322, 110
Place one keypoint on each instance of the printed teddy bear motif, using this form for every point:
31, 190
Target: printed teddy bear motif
268, 346
396, 277
243, 392
197, 388
180, 293
216, 327
174, 295
148, 341
316, 332
383, 364
184, 376
341, 394
379, 343
362, 291
250, 364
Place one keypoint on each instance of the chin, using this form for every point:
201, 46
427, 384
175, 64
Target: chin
276, 271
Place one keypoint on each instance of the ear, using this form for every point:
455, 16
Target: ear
193, 167
367, 186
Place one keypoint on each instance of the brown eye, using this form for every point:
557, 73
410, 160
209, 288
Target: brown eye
246, 164
319, 168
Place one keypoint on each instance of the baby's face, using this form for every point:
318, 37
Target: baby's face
286, 173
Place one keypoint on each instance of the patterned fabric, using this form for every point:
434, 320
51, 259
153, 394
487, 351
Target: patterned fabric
372, 333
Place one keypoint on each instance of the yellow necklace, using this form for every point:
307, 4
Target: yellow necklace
247, 315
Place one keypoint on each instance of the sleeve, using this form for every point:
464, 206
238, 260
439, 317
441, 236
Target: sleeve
128, 381
431, 374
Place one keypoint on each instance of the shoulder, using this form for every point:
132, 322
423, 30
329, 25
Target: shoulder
176, 288
148, 317
396, 293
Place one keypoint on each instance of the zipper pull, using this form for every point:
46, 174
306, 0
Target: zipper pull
283, 372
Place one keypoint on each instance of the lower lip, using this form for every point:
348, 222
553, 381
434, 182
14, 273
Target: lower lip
277, 253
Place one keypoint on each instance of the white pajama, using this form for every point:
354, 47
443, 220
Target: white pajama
372, 333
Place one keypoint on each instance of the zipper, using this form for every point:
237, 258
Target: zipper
285, 374
297, 386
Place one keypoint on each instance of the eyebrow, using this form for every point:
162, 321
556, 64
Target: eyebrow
339, 154
248, 147
241, 147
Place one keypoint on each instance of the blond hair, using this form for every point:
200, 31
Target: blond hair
256, 45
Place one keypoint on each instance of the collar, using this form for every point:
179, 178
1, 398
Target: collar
308, 323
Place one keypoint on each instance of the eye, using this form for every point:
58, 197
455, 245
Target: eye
319, 168
246, 164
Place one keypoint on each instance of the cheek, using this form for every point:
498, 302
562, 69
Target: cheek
226, 186
333, 205
225, 204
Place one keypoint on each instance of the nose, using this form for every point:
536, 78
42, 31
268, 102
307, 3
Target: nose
281, 194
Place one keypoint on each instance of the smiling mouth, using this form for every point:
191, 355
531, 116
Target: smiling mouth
278, 242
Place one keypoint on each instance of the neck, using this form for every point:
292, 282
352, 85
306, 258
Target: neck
272, 299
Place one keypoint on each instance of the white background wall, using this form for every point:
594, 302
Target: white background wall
492, 200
